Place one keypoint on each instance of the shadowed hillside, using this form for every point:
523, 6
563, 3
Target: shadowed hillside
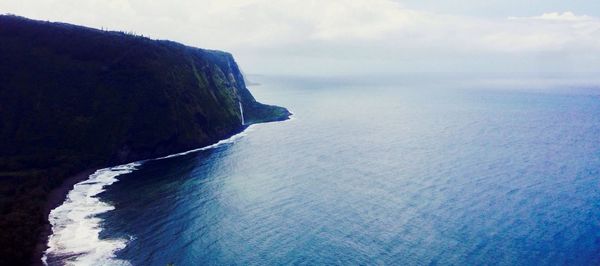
74, 98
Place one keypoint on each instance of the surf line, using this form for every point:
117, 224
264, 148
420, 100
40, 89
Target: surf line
75, 225
75, 238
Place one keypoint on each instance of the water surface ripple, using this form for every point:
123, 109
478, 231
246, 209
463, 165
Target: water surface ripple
405, 174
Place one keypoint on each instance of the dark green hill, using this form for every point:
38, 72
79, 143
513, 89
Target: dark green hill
74, 98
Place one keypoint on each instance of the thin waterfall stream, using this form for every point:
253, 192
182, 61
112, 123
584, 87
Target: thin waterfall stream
241, 112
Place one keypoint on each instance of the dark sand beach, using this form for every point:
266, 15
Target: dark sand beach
55, 198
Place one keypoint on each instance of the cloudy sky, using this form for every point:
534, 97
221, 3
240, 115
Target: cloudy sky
357, 36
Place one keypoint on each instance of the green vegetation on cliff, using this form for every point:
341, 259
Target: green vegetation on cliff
73, 98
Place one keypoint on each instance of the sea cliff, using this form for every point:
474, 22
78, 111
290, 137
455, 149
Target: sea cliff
74, 98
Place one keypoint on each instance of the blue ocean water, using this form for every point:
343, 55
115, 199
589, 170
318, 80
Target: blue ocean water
420, 172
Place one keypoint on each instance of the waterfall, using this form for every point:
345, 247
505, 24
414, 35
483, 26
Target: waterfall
242, 112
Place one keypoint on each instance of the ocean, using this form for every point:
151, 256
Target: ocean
419, 169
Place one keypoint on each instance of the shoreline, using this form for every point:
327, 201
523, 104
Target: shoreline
56, 197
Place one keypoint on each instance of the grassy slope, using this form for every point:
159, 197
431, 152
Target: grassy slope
72, 98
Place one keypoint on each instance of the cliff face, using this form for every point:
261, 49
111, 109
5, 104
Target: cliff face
73, 97
112, 95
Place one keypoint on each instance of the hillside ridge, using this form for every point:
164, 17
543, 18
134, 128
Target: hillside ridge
74, 98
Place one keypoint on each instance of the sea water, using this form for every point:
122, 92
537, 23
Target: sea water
416, 170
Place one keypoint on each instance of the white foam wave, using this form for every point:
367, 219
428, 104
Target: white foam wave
75, 239
75, 226
221, 142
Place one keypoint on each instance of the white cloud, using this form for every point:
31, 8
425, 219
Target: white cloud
555, 31
557, 16
268, 34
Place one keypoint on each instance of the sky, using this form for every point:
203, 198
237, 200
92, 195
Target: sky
338, 37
